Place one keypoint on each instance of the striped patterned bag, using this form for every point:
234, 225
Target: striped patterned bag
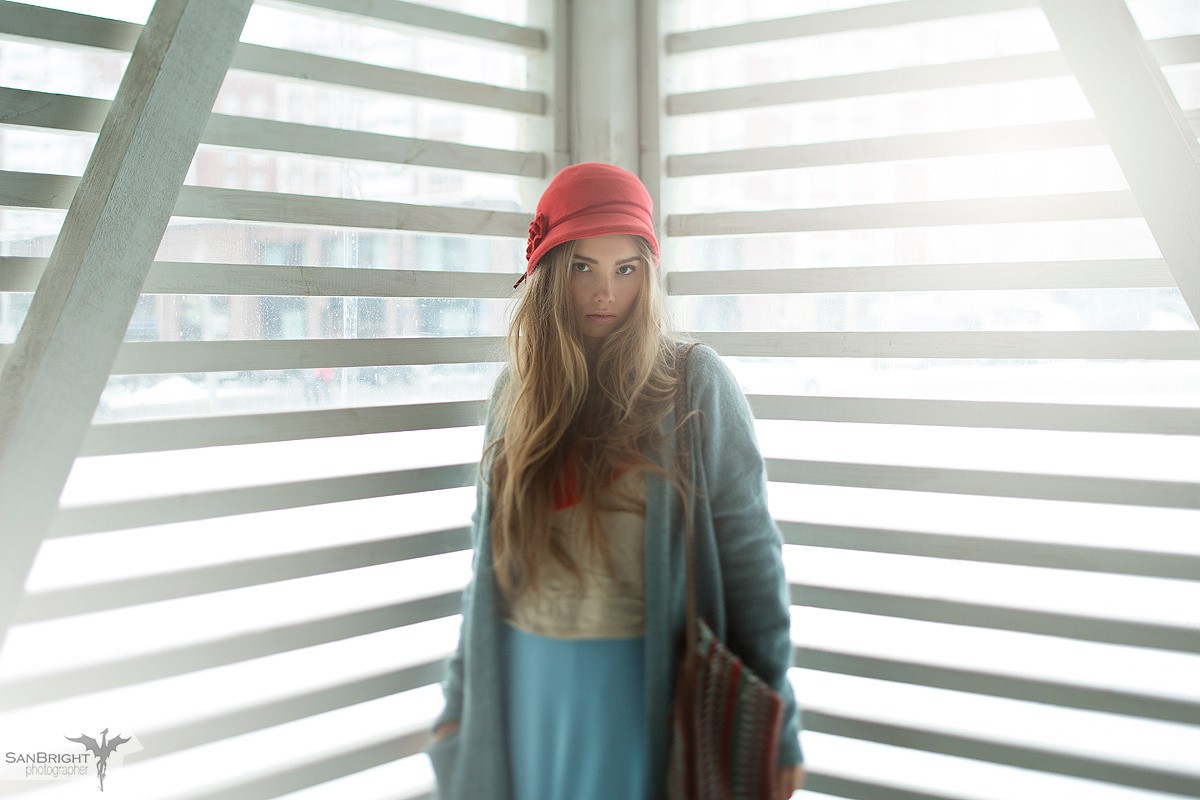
726, 721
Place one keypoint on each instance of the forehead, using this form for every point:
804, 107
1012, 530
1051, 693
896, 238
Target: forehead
611, 247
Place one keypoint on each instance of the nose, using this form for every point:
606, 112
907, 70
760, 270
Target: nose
604, 288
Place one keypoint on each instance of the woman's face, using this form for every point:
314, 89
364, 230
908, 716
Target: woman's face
604, 285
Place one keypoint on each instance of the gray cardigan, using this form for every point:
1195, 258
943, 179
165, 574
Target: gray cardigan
740, 586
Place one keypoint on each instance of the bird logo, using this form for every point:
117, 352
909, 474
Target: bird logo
102, 750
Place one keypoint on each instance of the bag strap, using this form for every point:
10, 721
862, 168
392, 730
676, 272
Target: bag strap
683, 450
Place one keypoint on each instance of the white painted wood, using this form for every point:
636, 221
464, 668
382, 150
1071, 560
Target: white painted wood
33, 190
1062, 761
1006, 139
251, 572
429, 19
74, 520
156, 435
15, 693
996, 684
143, 358
914, 214
21, 274
54, 374
1106, 274
1142, 120
954, 612
850, 19
981, 414
67, 112
69, 28
908, 79
989, 483
604, 101
1050, 555
343, 72
1167, 345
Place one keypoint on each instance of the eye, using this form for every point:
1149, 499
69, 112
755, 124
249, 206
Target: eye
579, 266
626, 269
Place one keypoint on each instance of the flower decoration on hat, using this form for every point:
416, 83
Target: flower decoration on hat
537, 232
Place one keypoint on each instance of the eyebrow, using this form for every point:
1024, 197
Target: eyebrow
594, 261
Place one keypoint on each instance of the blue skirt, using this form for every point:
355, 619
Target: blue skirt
576, 717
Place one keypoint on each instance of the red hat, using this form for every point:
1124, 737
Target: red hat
585, 200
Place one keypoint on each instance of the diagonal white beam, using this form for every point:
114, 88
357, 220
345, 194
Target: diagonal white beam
1144, 125
66, 348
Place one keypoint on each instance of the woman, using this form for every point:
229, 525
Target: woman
573, 621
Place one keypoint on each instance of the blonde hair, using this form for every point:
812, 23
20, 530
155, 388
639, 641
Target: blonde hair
556, 406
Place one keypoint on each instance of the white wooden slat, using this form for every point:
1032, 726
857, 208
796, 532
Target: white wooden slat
141, 358
1107, 274
1141, 118
1001, 69
82, 29
1168, 345
988, 483
994, 684
56, 371
123, 514
824, 784
67, 112
1003, 139
913, 214
1063, 762
428, 18
156, 435
34, 190
95, 597
1048, 555
849, 19
1171, 638
343, 72
21, 274
981, 414
193, 733
131, 670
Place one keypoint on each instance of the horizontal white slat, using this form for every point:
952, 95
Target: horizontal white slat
66, 27
34, 190
136, 669
21, 274
1002, 752
913, 214
416, 15
1049, 555
994, 684
1005, 139
343, 72
849, 19
124, 514
67, 112
959, 344
192, 733
989, 483
1177, 50
142, 358
155, 435
980, 414
251, 572
1109, 274
954, 612
830, 785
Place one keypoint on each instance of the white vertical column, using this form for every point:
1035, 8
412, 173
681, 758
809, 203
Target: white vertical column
603, 96
64, 353
1143, 123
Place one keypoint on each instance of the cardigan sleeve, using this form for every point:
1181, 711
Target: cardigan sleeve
749, 544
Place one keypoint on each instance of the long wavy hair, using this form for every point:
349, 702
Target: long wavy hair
559, 411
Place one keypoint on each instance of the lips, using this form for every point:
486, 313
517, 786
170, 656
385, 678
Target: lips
601, 317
